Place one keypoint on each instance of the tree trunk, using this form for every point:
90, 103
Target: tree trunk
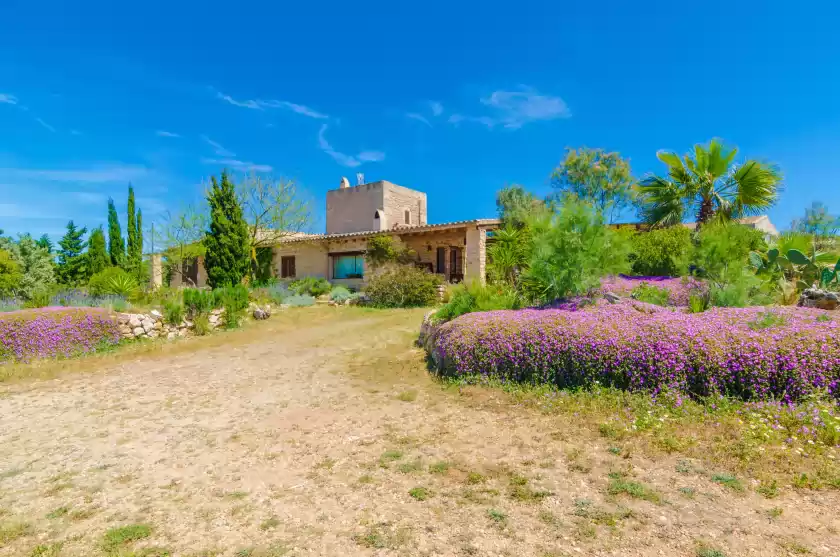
705, 212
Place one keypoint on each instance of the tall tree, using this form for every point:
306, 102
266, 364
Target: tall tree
273, 210
228, 253
139, 235
35, 264
116, 246
820, 224
44, 242
71, 267
131, 230
97, 254
180, 239
597, 177
515, 205
709, 184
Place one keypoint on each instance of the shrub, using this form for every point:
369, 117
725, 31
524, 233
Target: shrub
572, 249
237, 297
651, 294
10, 274
112, 281
313, 286
477, 297
33, 334
340, 294
661, 251
233, 313
619, 346
38, 299
402, 286
299, 300
383, 250
173, 312
197, 302
723, 250
201, 324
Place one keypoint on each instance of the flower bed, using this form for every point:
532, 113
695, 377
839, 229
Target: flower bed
54, 332
749, 353
680, 289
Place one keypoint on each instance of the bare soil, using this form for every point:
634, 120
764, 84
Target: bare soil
322, 434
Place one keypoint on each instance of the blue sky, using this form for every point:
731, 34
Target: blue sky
456, 99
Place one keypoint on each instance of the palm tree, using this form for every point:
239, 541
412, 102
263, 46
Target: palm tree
710, 185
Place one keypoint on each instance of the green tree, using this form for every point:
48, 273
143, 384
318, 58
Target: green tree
10, 274
820, 225
515, 205
44, 242
508, 253
131, 232
228, 252
116, 246
571, 251
97, 253
35, 264
661, 251
709, 184
181, 240
597, 177
71, 266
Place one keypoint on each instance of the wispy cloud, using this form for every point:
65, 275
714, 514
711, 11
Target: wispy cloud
239, 165
419, 118
514, 109
218, 149
483, 120
437, 108
347, 160
75, 132
99, 173
47, 126
259, 104
164, 133
8, 99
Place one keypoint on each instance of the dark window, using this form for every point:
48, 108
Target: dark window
441, 260
407, 216
348, 265
287, 266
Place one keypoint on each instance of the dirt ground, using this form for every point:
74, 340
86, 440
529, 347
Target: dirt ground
322, 434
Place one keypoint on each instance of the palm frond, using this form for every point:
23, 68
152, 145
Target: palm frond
757, 185
662, 201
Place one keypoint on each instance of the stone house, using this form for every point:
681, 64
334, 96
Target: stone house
455, 250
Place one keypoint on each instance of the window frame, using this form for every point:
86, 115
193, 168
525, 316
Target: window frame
334, 257
284, 271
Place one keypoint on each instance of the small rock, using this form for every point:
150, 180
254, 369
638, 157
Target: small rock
138, 331
612, 297
153, 334
170, 335
156, 315
148, 324
260, 314
134, 321
158, 325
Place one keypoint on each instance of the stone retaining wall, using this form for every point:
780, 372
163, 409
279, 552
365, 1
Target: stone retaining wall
152, 325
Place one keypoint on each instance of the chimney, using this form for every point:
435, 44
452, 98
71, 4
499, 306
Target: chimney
345, 183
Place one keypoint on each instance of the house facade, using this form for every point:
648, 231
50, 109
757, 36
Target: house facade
454, 250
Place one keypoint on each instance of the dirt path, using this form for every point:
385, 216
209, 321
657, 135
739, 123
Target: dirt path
308, 440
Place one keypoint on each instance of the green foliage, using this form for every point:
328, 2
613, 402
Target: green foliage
233, 312
42, 242
738, 289
472, 297
201, 324
299, 300
420, 493
698, 303
112, 280
227, 260
97, 253
115, 538
516, 205
173, 312
651, 294
134, 245
383, 249
313, 286
116, 246
339, 294
236, 297
401, 286
572, 251
723, 250
71, 268
768, 319
661, 252
264, 264
596, 177
39, 299
508, 253
197, 302
10, 274
820, 225
35, 265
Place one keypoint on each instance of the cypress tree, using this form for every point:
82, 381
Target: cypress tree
131, 231
228, 255
71, 268
43, 242
139, 236
116, 247
97, 255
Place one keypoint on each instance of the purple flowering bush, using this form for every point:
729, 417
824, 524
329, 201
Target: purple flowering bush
751, 353
680, 289
29, 334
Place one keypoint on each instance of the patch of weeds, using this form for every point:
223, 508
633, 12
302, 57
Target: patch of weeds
244, 552
586, 531
525, 494
548, 518
795, 547
767, 320
479, 496
688, 492
728, 480
411, 467
47, 550
326, 464
269, 523
382, 536
11, 531
706, 551
407, 396
823, 318
474, 478
420, 493
440, 467
497, 516
389, 456
585, 509
149, 552
619, 485
611, 431
614, 450
775, 512
124, 535
684, 467
58, 513
365, 479
57, 488
770, 490
10, 473
517, 480
236, 495
82, 514
804, 481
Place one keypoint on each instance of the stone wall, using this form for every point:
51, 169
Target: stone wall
152, 325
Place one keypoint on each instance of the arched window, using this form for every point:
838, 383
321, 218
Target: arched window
407, 216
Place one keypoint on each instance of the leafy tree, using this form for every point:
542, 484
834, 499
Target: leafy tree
35, 264
709, 184
133, 250
116, 246
44, 242
181, 239
97, 254
274, 209
71, 268
508, 253
515, 205
822, 226
572, 250
661, 251
597, 177
227, 241
10, 274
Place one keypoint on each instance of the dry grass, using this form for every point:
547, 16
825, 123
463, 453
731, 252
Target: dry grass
295, 437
